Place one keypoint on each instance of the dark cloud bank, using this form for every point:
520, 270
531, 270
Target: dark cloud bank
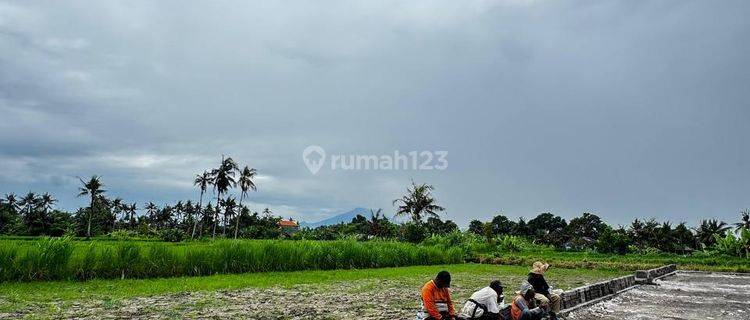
626, 109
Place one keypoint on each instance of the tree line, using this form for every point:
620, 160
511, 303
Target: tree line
589, 231
227, 215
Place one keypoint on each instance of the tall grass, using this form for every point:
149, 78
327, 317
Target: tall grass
50, 259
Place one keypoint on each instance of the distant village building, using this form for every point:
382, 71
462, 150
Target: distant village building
288, 227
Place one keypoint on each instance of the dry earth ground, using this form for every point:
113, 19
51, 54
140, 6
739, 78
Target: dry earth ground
394, 297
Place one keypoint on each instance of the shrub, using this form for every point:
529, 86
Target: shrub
511, 243
732, 245
412, 232
172, 235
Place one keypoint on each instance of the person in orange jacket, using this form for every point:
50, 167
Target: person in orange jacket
524, 305
436, 299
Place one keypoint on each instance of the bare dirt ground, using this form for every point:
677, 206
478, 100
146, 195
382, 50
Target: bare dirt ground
393, 298
682, 296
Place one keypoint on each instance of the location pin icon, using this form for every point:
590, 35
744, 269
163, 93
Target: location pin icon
314, 158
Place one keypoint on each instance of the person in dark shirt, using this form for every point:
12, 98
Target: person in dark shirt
542, 289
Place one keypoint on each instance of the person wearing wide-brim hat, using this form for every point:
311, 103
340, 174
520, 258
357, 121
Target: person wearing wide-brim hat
543, 292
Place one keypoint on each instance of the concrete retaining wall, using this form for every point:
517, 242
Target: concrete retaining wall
648, 276
580, 295
586, 294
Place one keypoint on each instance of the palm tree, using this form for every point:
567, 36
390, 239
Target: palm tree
222, 179
202, 181
151, 211
377, 220
118, 206
92, 188
179, 208
189, 210
418, 203
708, 228
130, 210
206, 216
229, 210
246, 183
47, 202
28, 203
745, 222
12, 201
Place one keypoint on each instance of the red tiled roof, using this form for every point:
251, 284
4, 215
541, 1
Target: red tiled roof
288, 223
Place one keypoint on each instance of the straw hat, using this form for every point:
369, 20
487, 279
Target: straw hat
539, 267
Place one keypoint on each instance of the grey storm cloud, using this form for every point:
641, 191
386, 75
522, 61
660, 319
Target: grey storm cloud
622, 108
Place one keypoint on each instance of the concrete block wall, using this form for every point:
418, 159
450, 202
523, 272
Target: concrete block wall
574, 297
648, 276
581, 295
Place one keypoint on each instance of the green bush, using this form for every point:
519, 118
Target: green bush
172, 235
732, 245
511, 243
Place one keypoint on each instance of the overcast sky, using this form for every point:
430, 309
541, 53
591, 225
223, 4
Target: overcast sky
621, 108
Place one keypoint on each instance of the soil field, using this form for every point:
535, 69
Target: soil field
682, 296
389, 293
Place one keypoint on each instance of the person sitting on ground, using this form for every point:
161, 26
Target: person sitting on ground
524, 306
485, 303
436, 299
543, 291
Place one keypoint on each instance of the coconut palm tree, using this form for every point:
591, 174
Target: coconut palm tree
179, 208
151, 212
47, 202
418, 203
202, 181
744, 222
130, 210
207, 214
222, 178
12, 201
708, 228
189, 210
230, 209
118, 206
28, 203
93, 189
246, 183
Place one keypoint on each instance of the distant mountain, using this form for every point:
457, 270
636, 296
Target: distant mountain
342, 217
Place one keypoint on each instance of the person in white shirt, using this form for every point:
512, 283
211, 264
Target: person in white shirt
486, 303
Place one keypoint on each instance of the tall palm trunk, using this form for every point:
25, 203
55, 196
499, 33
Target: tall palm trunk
237, 220
91, 214
224, 223
114, 221
216, 214
195, 220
